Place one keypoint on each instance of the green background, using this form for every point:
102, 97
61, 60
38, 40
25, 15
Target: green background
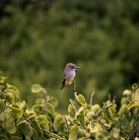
39, 37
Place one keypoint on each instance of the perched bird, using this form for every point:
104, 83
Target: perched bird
69, 74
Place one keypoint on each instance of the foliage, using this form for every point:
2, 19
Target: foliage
83, 122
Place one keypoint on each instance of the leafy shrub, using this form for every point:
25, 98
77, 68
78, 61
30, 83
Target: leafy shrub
83, 122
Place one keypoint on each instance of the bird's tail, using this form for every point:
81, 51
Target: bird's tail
62, 87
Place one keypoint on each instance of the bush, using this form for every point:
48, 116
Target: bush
84, 121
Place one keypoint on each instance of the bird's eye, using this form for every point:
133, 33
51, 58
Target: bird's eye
72, 67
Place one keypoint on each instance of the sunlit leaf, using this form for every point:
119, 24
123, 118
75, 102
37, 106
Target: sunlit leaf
14, 91
9, 95
36, 88
127, 92
71, 110
122, 110
37, 108
133, 103
30, 113
115, 133
80, 99
73, 133
96, 108
83, 133
124, 100
137, 95
16, 109
22, 105
73, 104
43, 121
96, 128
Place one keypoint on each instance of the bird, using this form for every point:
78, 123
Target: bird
69, 74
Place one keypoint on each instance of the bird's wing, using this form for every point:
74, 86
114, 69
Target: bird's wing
63, 81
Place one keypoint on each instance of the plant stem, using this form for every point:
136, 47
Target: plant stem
54, 135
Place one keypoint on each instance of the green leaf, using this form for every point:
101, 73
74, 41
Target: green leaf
137, 95
20, 121
115, 133
10, 124
81, 117
37, 108
135, 86
16, 138
83, 133
35, 134
53, 101
14, 91
58, 120
133, 103
122, 110
73, 133
26, 129
80, 99
2, 105
30, 113
43, 121
124, 100
96, 128
22, 105
50, 109
71, 110
36, 88
1, 87
37, 127
96, 108
127, 92
16, 110
103, 135
9, 95
2, 78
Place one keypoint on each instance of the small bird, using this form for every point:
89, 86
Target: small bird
69, 74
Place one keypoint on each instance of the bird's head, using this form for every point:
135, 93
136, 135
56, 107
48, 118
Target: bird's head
72, 66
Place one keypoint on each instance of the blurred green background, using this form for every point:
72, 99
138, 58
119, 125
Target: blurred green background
39, 37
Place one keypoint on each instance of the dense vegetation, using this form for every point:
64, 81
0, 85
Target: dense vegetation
38, 38
84, 121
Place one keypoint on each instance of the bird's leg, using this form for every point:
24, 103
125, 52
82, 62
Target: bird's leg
74, 85
72, 88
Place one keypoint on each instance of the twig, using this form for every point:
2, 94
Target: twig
91, 98
54, 135
67, 123
74, 85
103, 110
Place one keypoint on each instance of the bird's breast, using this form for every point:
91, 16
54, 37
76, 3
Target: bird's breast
69, 81
70, 77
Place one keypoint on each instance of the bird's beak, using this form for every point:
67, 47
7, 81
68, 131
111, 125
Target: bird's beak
77, 67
